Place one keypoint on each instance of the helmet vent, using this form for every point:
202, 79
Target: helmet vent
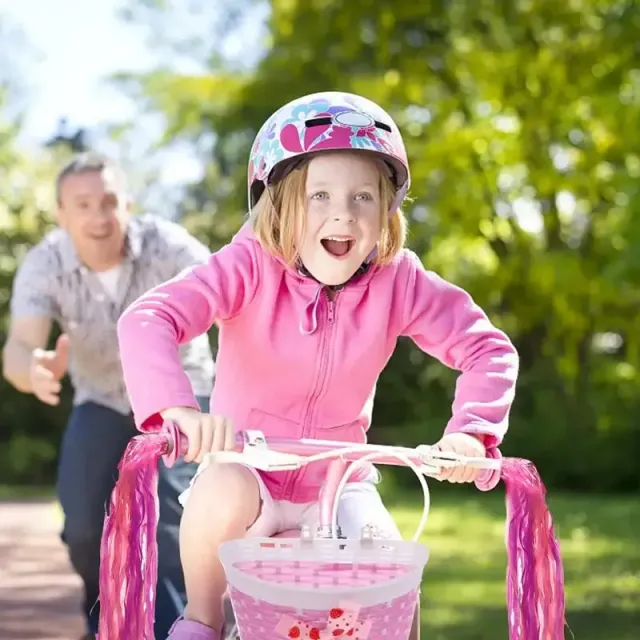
328, 120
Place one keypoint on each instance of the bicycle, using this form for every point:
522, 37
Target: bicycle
320, 585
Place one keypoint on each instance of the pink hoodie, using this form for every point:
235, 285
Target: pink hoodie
292, 363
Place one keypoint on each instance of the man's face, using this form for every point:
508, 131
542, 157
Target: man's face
94, 211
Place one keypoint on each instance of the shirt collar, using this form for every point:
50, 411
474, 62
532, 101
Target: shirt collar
132, 247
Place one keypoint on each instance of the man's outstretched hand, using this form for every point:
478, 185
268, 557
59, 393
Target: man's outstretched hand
47, 370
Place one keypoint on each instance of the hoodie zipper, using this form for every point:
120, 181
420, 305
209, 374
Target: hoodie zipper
327, 332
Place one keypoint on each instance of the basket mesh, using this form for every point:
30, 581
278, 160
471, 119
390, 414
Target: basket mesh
317, 575
260, 620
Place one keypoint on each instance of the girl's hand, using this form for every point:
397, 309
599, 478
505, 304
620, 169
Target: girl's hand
205, 433
465, 445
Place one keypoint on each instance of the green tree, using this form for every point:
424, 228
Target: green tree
521, 120
28, 431
29, 434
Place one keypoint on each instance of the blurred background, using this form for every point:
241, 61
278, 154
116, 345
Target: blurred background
522, 121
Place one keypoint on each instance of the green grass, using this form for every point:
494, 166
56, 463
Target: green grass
463, 588
9, 492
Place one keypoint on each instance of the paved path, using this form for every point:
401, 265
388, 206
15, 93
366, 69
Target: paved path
39, 596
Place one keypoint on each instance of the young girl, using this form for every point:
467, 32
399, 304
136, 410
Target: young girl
310, 298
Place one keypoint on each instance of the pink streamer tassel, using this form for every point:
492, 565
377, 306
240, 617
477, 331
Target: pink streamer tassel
129, 553
535, 576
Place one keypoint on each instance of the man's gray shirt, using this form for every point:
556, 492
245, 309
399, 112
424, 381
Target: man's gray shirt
52, 282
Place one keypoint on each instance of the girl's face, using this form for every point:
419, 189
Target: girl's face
343, 215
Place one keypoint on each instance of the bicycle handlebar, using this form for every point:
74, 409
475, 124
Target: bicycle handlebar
252, 448
285, 454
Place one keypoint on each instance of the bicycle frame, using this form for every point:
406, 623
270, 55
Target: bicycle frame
285, 454
535, 582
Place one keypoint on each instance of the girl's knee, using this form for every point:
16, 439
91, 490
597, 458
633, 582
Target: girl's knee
226, 492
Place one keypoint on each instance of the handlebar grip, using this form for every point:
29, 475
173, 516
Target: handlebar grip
176, 443
489, 478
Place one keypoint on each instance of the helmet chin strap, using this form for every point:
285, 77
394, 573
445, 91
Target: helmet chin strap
395, 205
360, 271
369, 259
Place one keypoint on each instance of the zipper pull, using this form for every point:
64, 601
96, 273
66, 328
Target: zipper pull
331, 314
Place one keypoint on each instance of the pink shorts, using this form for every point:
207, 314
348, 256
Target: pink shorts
360, 505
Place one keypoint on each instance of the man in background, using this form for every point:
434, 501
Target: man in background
82, 275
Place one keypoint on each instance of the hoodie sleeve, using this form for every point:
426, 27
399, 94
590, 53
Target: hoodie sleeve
445, 323
152, 328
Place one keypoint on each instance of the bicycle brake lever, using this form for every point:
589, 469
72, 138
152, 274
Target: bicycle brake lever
433, 458
263, 459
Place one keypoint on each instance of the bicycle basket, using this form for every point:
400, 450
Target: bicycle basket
319, 589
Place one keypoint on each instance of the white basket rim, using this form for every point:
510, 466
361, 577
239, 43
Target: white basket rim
412, 554
273, 548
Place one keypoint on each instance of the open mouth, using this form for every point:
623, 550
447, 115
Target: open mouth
101, 233
338, 246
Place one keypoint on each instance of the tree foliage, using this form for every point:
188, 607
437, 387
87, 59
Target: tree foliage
522, 121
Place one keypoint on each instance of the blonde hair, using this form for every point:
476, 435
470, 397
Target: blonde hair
275, 216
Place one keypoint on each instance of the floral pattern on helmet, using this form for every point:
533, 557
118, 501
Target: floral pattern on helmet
323, 122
